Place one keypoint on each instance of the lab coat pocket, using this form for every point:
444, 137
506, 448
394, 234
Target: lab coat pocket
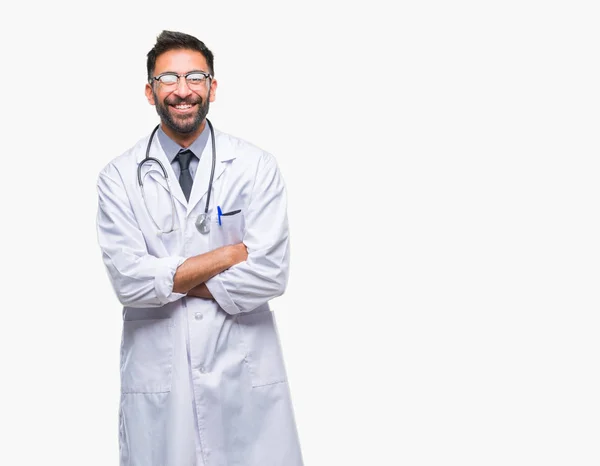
263, 350
230, 231
146, 356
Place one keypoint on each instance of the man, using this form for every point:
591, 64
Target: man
196, 243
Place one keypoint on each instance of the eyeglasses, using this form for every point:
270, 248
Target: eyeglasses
194, 79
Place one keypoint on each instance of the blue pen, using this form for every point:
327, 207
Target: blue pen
219, 213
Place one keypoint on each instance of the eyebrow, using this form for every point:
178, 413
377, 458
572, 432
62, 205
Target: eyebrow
182, 74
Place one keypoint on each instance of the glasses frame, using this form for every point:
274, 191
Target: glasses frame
172, 73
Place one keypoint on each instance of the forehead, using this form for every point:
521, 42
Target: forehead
180, 61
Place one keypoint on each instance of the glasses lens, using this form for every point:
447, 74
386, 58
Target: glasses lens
168, 79
196, 79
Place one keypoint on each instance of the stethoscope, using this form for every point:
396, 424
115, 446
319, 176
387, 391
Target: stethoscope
203, 220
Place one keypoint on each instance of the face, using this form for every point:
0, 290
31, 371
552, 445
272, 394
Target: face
182, 110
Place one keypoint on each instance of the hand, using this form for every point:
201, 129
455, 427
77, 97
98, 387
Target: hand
201, 291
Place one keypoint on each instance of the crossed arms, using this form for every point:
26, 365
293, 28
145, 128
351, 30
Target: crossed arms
192, 274
239, 277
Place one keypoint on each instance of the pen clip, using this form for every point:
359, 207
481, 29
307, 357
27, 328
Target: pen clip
219, 213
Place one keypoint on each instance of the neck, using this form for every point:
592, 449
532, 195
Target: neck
185, 140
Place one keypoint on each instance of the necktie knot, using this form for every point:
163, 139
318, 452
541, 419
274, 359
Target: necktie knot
185, 157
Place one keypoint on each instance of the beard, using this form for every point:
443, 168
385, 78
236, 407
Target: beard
182, 124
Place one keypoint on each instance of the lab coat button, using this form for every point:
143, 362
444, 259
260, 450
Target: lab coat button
198, 316
202, 369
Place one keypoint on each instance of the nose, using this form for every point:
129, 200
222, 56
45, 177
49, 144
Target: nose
183, 90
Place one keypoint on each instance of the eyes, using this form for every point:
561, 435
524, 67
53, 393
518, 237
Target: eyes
194, 79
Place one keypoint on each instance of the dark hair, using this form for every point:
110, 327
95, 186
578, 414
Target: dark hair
171, 40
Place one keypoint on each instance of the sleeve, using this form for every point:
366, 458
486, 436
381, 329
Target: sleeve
264, 274
138, 278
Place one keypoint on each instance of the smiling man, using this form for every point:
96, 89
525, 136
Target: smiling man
182, 109
195, 262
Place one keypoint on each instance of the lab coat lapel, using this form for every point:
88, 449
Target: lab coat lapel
202, 177
158, 153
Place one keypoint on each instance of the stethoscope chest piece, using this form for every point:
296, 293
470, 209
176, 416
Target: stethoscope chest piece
203, 223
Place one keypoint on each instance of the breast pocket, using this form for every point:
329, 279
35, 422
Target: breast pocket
146, 356
227, 228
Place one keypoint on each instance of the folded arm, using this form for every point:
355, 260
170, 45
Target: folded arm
264, 274
192, 273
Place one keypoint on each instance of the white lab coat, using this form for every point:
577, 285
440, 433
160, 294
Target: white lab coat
203, 382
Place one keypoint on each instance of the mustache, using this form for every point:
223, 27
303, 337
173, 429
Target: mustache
174, 100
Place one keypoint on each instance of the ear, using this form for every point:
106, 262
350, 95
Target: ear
149, 94
213, 90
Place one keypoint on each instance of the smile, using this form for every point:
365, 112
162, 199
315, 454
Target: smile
182, 108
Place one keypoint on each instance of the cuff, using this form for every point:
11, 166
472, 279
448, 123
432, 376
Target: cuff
163, 280
218, 291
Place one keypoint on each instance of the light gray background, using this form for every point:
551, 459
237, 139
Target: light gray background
441, 160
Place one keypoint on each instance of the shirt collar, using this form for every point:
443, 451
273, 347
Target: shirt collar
171, 148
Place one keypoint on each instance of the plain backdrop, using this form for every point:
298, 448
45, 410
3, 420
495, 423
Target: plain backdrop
442, 165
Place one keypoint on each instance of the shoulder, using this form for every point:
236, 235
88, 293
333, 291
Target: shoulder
124, 162
242, 150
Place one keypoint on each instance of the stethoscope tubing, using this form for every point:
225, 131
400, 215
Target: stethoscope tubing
147, 158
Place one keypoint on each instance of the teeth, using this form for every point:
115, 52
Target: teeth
183, 107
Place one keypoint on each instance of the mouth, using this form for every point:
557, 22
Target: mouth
183, 108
